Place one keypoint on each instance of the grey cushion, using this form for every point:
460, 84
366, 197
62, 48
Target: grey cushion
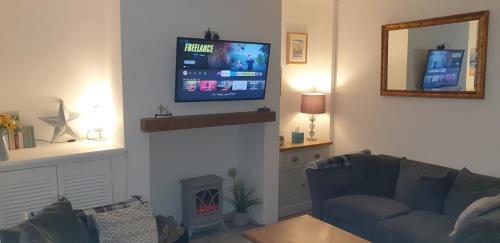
362, 210
467, 188
423, 186
476, 209
416, 227
483, 229
374, 174
54, 224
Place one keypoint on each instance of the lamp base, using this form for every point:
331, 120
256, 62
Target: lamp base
311, 137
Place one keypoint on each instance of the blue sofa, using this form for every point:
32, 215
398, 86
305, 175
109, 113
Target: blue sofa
386, 199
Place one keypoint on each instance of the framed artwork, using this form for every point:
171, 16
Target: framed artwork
296, 48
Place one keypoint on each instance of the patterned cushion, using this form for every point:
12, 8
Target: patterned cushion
128, 225
85, 215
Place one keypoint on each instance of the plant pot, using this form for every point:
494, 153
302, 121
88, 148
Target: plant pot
4, 152
240, 219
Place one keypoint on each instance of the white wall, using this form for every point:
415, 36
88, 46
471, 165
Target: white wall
450, 132
67, 49
316, 19
473, 33
397, 59
149, 32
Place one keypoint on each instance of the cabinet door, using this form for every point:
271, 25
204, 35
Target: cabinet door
293, 189
25, 191
86, 184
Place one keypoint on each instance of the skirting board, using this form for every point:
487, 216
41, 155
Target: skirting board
294, 209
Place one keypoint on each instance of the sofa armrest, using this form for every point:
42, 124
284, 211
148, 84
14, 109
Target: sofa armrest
325, 184
483, 229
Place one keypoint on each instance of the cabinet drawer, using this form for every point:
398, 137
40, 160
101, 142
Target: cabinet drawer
291, 159
302, 157
314, 154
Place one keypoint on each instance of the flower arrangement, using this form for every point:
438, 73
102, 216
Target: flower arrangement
7, 122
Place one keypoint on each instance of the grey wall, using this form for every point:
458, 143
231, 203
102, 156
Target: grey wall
157, 162
450, 132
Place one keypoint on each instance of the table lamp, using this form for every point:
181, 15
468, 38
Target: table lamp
313, 103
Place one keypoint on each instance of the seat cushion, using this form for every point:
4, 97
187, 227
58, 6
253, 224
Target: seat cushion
467, 188
424, 186
374, 175
363, 211
416, 227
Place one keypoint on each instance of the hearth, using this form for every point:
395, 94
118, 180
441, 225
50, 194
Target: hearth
202, 202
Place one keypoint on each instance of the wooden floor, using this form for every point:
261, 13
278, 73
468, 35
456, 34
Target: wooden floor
233, 235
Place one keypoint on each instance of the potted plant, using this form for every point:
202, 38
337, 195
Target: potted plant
5, 124
243, 199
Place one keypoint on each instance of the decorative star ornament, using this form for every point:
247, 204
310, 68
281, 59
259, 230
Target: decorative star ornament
60, 122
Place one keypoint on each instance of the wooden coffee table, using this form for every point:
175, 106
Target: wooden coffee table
303, 229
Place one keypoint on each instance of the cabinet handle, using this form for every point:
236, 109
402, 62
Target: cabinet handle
303, 184
295, 159
317, 156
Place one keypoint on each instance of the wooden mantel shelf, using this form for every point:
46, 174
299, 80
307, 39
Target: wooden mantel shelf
208, 120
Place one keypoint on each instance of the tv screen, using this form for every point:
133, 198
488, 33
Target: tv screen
217, 70
443, 69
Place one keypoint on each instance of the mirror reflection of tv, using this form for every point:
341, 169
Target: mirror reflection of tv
220, 70
442, 69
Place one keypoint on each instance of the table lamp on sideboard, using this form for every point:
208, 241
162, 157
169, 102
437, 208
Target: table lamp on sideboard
313, 103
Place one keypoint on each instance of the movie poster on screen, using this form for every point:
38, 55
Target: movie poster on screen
296, 48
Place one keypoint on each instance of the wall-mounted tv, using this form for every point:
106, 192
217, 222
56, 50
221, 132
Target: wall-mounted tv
219, 70
442, 69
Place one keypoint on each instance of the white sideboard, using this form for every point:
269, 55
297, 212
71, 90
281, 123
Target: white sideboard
88, 173
294, 196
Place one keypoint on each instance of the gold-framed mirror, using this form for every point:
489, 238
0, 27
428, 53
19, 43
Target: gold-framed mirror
441, 57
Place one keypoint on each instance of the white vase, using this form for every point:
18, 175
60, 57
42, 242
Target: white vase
240, 219
4, 152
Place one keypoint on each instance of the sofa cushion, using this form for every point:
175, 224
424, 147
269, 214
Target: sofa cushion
467, 188
423, 186
363, 211
483, 229
55, 223
416, 227
128, 225
86, 215
476, 209
374, 175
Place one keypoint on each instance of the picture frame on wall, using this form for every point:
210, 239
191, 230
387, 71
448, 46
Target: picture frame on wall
296, 48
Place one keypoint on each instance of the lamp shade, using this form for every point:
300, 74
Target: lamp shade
313, 103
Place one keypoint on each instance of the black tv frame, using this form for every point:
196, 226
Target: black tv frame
245, 42
427, 63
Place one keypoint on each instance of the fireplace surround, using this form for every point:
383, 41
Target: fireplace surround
202, 202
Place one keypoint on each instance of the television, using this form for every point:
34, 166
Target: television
442, 69
220, 70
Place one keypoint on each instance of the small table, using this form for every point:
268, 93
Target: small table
303, 229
